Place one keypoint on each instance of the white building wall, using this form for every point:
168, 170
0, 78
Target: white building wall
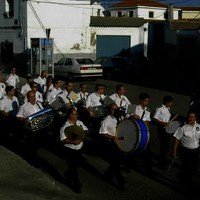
69, 24
8, 26
143, 12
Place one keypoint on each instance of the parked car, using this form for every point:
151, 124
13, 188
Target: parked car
114, 66
77, 67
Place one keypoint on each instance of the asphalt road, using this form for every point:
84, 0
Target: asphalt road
44, 178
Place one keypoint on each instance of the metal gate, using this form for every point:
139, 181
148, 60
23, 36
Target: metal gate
109, 45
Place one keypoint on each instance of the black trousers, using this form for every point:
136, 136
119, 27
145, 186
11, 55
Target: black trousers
164, 139
189, 162
112, 153
74, 159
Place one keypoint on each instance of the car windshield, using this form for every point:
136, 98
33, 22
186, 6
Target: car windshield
85, 61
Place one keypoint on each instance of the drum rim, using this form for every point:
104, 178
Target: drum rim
147, 133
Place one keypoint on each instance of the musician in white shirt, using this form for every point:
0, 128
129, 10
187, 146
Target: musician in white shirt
13, 78
187, 140
66, 95
25, 88
142, 110
110, 149
162, 118
83, 94
55, 91
73, 149
96, 98
30, 107
119, 98
38, 95
41, 80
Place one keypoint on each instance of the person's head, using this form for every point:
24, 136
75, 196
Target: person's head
83, 87
44, 74
99, 88
57, 83
29, 79
72, 114
10, 90
49, 80
112, 108
13, 70
144, 99
34, 86
168, 101
192, 117
120, 90
31, 97
69, 85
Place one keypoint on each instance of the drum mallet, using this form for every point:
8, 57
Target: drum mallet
171, 164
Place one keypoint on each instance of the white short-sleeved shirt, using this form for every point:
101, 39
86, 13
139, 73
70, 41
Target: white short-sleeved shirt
94, 100
28, 109
12, 80
120, 101
6, 103
108, 126
162, 113
53, 94
25, 89
2, 90
189, 135
41, 81
139, 111
63, 136
82, 96
38, 96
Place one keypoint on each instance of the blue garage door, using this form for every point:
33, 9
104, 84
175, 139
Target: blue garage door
109, 45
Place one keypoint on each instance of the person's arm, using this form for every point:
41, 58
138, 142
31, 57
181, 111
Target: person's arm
176, 147
69, 141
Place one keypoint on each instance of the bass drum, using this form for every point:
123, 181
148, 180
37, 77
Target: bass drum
134, 135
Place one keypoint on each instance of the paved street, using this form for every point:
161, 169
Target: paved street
45, 179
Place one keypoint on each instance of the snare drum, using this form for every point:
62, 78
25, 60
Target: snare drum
135, 134
172, 127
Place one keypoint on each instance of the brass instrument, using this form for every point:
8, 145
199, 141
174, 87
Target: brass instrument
74, 132
40, 120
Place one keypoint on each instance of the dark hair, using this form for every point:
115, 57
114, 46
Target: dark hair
68, 81
118, 87
8, 88
70, 111
82, 84
144, 96
97, 86
29, 77
55, 81
33, 83
167, 99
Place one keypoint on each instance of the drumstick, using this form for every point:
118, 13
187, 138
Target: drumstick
171, 164
174, 118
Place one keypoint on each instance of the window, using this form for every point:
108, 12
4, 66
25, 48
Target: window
119, 14
9, 8
151, 14
130, 14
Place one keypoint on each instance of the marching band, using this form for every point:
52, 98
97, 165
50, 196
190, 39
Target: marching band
106, 115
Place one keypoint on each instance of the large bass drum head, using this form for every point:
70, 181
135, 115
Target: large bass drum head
129, 131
